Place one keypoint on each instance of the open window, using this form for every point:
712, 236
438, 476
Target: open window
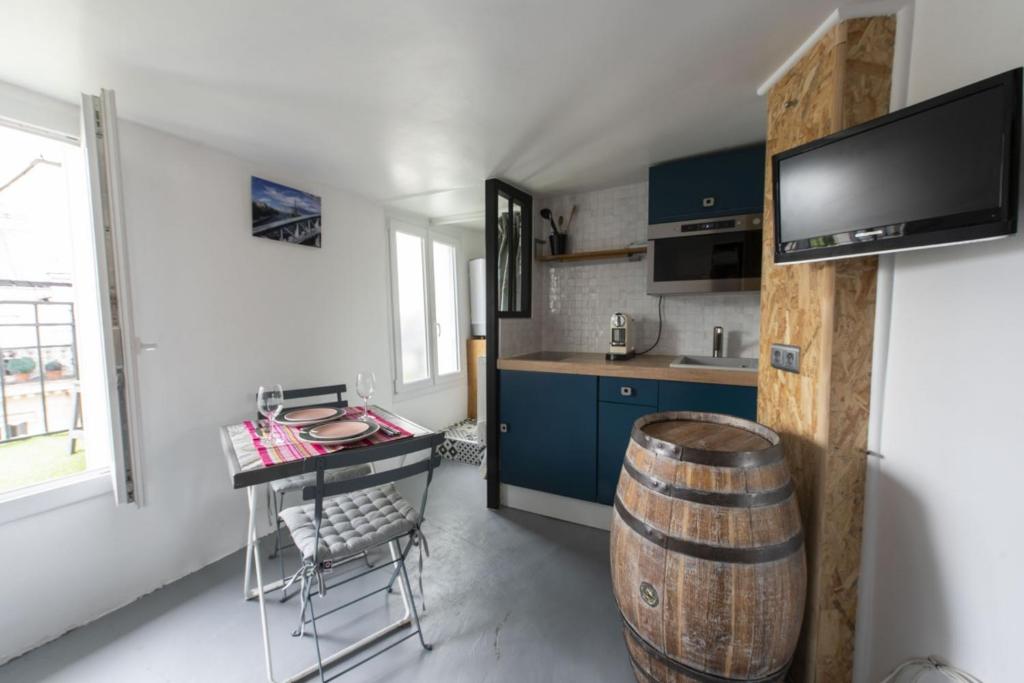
425, 287
40, 398
66, 350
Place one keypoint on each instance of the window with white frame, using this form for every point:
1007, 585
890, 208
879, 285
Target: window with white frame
425, 300
64, 298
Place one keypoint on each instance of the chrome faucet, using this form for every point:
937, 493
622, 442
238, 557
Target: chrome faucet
716, 345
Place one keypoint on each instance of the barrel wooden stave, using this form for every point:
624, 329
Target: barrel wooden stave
653, 667
729, 619
649, 668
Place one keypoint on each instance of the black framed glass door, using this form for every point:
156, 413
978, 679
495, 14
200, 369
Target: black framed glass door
509, 252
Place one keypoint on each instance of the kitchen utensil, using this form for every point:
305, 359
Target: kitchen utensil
546, 215
572, 215
387, 430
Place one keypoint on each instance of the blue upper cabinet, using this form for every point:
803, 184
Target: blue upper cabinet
548, 432
732, 182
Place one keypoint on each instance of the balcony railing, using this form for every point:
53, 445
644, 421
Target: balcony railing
39, 378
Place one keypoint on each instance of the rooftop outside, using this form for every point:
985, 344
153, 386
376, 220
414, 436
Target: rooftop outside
39, 372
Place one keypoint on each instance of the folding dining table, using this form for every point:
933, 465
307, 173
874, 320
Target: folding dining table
248, 470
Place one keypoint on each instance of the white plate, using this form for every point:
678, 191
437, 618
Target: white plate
338, 432
300, 417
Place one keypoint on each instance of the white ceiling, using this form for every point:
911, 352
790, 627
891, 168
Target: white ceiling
415, 103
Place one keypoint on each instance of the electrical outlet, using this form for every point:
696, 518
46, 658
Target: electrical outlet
786, 357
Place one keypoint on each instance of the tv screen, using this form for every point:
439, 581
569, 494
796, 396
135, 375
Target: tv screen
940, 172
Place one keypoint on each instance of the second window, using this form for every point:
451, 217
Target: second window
425, 293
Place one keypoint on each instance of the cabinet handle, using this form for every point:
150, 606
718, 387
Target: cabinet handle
503, 428
626, 391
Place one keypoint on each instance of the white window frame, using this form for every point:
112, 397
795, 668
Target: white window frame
429, 235
61, 491
101, 480
101, 146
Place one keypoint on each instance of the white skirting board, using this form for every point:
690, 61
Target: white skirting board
559, 507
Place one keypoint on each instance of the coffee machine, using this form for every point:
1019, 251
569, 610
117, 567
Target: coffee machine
623, 344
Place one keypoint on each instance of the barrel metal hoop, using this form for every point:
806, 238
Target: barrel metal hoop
732, 500
702, 676
713, 553
698, 456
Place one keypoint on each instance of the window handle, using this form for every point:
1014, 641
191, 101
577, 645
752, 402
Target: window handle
141, 346
438, 326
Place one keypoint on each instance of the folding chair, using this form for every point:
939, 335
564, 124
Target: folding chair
279, 488
347, 518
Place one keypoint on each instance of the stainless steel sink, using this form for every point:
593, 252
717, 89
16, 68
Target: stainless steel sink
712, 362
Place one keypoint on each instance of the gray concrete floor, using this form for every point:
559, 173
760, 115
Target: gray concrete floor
511, 597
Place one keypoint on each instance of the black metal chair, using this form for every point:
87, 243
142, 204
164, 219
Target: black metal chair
280, 488
350, 517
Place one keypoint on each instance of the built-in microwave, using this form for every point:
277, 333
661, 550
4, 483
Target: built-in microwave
705, 255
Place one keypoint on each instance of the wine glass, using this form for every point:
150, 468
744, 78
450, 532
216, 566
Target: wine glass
270, 401
366, 382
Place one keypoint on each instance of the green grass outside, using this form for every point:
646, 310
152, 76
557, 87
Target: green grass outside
38, 459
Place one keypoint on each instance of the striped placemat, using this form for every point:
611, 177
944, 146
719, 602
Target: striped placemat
253, 451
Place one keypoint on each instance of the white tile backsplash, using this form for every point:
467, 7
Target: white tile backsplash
574, 301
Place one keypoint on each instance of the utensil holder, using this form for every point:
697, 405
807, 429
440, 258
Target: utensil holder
559, 244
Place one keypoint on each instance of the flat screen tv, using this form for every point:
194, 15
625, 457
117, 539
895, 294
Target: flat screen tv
940, 172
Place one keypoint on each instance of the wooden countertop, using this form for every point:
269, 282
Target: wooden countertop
640, 367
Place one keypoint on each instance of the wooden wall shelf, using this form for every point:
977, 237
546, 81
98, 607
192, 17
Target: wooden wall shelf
596, 255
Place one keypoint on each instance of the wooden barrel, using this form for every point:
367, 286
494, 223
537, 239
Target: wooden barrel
707, 551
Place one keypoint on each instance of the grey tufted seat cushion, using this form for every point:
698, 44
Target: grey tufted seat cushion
300, 481
352, 522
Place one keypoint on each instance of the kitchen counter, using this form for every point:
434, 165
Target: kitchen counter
640, 367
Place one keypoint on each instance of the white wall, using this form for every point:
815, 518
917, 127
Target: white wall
228, 311
947, 576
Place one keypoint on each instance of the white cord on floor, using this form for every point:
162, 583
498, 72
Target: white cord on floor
921, 665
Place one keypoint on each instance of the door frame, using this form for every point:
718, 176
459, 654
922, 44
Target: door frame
492, 186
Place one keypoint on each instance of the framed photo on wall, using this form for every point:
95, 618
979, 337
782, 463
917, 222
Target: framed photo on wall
285, 214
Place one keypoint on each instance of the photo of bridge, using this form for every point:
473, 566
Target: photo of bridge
285, 214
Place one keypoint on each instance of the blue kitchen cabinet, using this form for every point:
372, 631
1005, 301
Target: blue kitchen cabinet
614, 426
548, 432
708, 398
640, 392
731, 180
567, 434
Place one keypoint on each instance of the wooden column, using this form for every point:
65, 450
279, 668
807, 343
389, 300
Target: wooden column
474, 349
827, 309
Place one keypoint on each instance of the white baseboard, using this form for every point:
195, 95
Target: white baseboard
559, 507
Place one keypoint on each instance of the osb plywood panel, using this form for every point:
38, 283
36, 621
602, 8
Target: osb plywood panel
866, 86
826, 309
801, 107
868, 69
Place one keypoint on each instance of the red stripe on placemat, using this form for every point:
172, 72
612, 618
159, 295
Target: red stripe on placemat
297, 449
